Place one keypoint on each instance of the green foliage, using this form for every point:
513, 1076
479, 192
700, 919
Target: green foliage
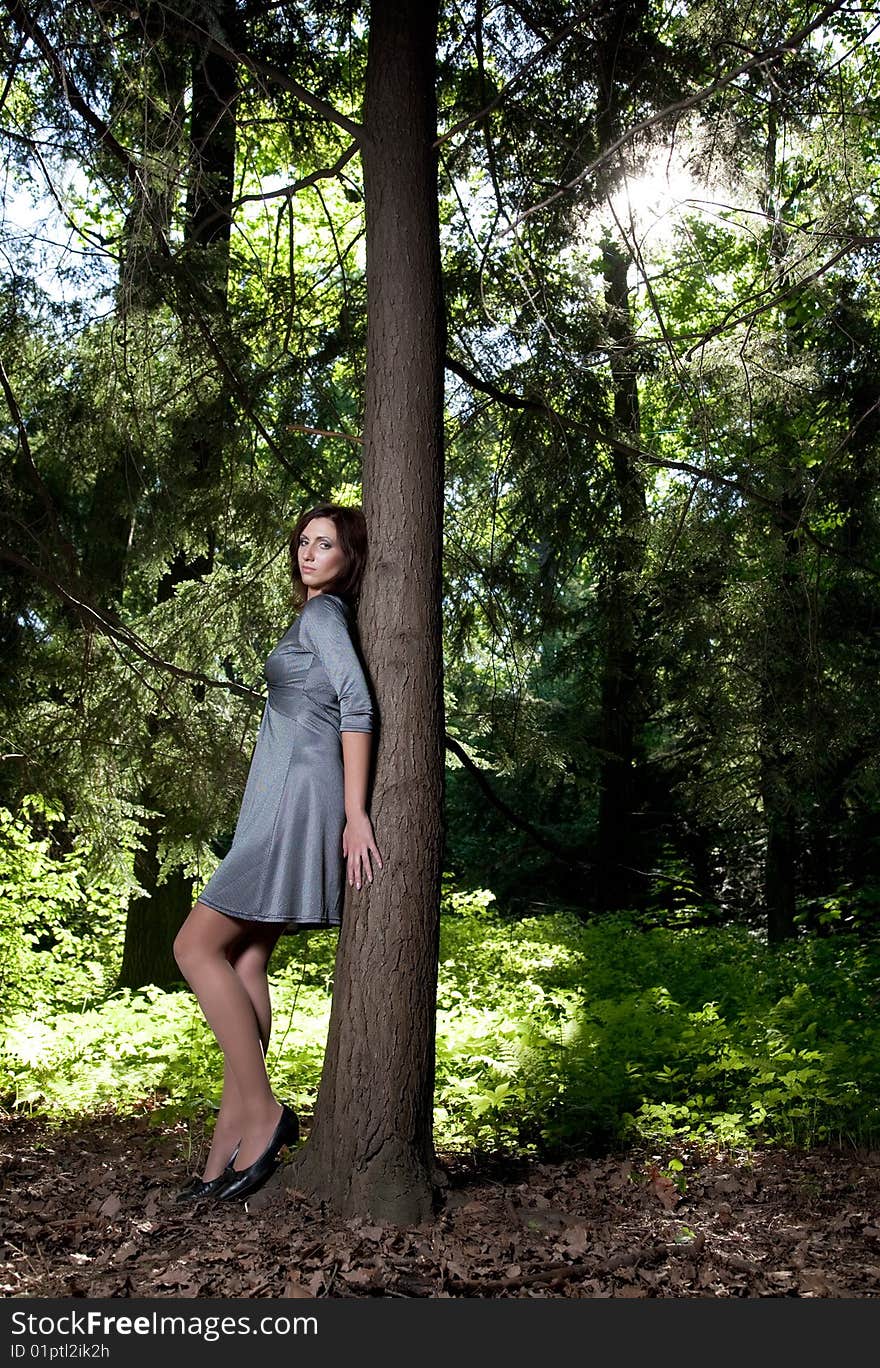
552, 1036
168, 432
568, 1035
60, 928
163, 446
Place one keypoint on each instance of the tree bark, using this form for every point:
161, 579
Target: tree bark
783, 709
154, 918
211, 181
786, 667
370, 1150
622, 36
622, 704
212, 138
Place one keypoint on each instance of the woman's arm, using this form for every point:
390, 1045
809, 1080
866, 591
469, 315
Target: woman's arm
358, 841
324, 630
356, 761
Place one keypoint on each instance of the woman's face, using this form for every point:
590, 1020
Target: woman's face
321, 558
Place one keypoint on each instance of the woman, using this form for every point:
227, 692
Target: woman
303, 811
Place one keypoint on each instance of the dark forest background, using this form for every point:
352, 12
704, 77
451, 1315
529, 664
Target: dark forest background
659, 232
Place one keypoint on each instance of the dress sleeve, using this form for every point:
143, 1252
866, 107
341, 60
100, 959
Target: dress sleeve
324, 630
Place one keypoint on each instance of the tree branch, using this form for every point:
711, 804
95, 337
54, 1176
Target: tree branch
124, 157
505, 397
515, 401
536, 57
11, 69
635, 453
732, 319
325, 432
289, 190
19, 16
766, 56
569, 857
35, 477
255, 65
110, 626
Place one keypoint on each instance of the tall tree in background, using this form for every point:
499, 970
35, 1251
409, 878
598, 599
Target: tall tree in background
622, 55
156, 914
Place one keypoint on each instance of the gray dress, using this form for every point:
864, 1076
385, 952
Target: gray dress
285, 864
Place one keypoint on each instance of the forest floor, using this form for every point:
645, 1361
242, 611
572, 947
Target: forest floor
89, 1211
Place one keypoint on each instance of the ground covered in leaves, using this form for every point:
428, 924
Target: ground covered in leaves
89, 1211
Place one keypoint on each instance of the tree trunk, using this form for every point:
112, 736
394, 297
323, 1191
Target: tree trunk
370, 1150
154, 918
786, 683
212, 138
779, 876
622, 702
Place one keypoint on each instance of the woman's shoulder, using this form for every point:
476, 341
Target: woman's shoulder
324, 618
333, 603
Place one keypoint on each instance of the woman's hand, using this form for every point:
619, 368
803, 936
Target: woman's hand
358, 844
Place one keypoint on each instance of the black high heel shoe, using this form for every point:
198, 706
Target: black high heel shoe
242, 1182
198, 1187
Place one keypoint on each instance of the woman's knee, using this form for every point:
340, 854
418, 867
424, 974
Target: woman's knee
187, 947
205, 935
182, 949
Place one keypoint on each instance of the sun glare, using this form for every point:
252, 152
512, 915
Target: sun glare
650, 206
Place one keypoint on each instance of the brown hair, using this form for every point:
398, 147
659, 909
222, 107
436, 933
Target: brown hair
351, 531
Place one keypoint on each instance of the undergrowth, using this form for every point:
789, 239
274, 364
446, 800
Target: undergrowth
553, 1036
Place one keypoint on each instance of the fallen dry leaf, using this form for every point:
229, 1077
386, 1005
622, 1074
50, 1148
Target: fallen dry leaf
576, 1239
293, 1288
663, 1188
577, 1229
815, 1281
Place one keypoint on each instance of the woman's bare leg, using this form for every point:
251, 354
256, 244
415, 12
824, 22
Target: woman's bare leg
202, 950
250, 960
